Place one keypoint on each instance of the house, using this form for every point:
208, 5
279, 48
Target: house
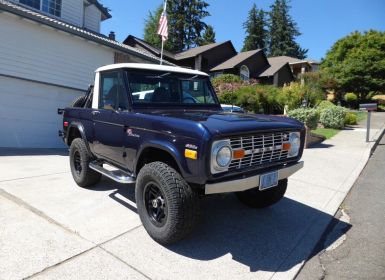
246, 64
200, 58
49, 50
278, 73
297, 66
222, 58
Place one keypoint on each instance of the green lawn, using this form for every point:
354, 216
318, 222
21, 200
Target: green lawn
327, 132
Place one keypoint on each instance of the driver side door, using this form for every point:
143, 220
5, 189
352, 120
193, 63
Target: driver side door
109, 118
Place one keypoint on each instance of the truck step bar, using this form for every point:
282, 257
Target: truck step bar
117, 175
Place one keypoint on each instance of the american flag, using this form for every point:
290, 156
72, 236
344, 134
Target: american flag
163, 28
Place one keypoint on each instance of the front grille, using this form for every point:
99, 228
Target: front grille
259, 149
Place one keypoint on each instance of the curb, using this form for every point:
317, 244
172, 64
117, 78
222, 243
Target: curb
379, 136
357, 172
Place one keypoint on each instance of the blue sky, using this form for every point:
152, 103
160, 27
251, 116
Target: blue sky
321, 22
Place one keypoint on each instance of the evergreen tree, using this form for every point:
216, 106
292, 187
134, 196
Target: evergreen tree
151, 27
185, 25
208, 36
255, 27
283, 31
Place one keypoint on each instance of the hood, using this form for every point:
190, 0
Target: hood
225, 123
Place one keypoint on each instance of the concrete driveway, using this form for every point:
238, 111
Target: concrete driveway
52, 229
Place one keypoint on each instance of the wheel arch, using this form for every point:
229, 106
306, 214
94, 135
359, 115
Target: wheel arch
157, 152
76, 130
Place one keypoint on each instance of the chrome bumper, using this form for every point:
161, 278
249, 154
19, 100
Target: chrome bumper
249, 182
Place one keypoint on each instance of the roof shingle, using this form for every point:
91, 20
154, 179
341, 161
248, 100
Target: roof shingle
235, 60
276, 63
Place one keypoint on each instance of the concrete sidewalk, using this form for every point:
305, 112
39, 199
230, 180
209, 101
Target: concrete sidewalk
52, 229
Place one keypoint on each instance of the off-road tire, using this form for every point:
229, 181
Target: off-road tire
80, 157
79, 101
255, 198
180, 199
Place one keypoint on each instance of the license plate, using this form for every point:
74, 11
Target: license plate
268, 180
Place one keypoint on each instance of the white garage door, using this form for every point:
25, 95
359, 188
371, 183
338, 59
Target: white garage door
28, 113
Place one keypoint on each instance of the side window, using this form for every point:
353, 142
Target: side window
112, 94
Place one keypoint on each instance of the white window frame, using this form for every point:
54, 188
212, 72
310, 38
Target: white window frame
41, 8
242, 73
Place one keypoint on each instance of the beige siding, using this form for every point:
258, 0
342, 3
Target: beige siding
40, 53
92, 17
72, 12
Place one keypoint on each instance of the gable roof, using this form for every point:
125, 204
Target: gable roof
276, 64
105, 11
199, 50
74, 30
235, 60
149, 47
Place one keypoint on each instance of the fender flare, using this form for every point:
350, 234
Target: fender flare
78, 126
166, 147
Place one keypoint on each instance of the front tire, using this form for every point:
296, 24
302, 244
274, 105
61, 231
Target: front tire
80, 158
168, 207
255, 198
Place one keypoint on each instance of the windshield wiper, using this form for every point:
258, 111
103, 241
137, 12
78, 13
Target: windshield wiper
159, 76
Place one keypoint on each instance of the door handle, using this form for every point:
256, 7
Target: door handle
95, 113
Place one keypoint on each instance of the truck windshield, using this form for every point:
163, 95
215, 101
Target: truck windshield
157, 88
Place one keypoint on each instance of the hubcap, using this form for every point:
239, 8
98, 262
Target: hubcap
155, 204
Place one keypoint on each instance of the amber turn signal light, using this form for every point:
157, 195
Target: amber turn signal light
286, 146
190, 154
238, 154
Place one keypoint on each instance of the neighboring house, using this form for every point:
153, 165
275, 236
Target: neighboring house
248, 65
278, 74
49, 50
200, 58
222, 58
297, 66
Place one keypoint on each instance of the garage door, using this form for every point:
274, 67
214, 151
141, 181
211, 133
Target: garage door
28, 113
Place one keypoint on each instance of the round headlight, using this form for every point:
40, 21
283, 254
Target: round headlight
295, 144
224, 156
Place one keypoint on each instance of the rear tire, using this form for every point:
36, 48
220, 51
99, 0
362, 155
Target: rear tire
255, 198
79, 101
168, 207
80, 158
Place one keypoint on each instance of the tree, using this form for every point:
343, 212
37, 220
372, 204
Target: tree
357, 62
185, 24
208, 36
151, 27
255, 27
283, 31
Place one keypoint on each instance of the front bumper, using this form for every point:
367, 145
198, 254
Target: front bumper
249, 182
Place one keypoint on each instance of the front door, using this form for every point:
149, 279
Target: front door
109, 118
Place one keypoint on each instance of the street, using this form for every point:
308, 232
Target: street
359, 252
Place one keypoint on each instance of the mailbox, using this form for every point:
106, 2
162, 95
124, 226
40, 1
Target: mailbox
368, 107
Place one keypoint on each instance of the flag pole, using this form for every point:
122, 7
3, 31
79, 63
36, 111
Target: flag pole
161, 51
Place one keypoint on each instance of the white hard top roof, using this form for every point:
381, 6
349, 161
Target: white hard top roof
155, 67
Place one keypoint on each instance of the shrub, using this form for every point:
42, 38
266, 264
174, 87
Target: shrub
324, 104
350, 97
350, 118
379, 98
306, 115
226, 78
227, 97
333, 117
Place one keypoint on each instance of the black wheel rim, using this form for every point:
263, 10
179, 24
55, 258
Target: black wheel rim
77, 163
156, 205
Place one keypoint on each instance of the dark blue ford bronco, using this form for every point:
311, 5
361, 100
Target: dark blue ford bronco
162, 128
